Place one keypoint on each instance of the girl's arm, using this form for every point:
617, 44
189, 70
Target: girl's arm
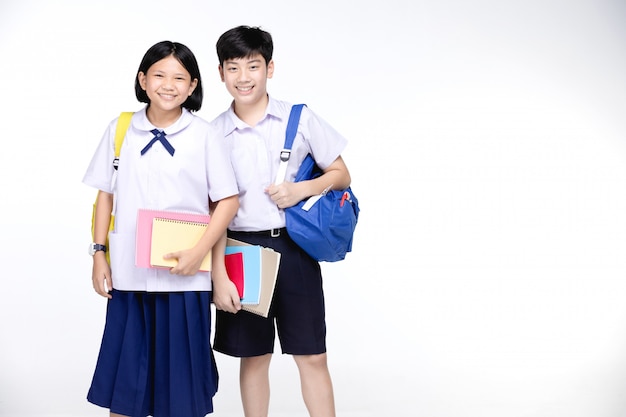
189, 260
101, 272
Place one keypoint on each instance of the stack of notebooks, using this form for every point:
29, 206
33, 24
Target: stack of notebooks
252, 268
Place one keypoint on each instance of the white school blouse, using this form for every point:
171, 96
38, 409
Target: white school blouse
200, 168
255, 154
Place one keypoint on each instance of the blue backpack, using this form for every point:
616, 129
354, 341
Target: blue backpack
323, 225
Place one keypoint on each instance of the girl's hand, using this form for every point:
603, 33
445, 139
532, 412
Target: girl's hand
225, 295
101, 275
189, 262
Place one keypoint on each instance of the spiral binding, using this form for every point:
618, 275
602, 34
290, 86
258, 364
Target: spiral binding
186, 222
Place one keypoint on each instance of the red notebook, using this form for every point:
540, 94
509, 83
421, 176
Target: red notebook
234, 269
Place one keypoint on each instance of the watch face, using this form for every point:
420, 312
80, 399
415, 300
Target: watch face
94, 247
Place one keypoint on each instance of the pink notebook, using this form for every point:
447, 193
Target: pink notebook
144, 230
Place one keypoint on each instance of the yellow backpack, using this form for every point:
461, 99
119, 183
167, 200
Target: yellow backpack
120, 132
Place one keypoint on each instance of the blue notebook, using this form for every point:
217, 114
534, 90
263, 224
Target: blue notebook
251, 272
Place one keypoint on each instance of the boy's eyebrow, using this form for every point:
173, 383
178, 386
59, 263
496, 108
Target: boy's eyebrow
235, 61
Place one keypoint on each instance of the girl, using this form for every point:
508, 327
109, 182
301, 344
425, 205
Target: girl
155, 357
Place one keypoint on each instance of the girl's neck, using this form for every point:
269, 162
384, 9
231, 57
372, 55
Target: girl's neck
163, 118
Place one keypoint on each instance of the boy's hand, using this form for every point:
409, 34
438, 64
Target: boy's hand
285, 194
101, 275
225, 294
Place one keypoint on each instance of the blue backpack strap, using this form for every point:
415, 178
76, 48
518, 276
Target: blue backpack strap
290, 135
292, 125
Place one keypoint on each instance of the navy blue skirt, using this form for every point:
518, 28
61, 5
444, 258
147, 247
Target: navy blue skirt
156, 358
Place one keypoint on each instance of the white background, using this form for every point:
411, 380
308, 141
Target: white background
487, 150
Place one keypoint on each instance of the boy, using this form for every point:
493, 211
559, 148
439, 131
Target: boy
254, 128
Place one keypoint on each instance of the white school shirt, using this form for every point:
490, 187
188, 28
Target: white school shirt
199, 168
255, 154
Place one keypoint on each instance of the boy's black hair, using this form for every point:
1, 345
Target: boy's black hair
186, 58
243, 42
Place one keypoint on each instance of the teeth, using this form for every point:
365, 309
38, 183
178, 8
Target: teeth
244, 88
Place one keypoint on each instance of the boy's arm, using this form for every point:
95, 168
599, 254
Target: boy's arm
225, 295
189, 260
336, 177
101, 272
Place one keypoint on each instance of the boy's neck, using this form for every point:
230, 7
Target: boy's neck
251, 113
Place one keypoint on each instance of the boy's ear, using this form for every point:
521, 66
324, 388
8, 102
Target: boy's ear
270, 68
221, 70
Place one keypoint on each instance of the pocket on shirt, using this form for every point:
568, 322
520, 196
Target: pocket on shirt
122, 252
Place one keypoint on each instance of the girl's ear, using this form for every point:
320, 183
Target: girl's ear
142, 79
193, 86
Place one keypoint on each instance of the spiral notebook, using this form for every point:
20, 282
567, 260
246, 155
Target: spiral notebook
170, 235
145, 218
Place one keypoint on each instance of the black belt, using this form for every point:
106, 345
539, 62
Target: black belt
266, 233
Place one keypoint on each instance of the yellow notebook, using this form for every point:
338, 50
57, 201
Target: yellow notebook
172, 236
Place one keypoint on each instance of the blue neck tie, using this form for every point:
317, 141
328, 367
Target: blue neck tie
160, 136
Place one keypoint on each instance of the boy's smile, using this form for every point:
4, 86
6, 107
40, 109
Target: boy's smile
246, 79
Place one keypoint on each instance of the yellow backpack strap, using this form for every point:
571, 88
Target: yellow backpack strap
120, 132
123, 122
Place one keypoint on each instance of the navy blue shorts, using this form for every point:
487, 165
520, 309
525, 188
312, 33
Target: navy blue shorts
155, 358
297, 312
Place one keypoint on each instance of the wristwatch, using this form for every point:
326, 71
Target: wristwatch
95, 247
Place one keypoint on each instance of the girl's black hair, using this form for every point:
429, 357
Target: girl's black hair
244, 41
186, 58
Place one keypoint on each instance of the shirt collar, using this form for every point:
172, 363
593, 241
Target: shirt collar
236, 123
